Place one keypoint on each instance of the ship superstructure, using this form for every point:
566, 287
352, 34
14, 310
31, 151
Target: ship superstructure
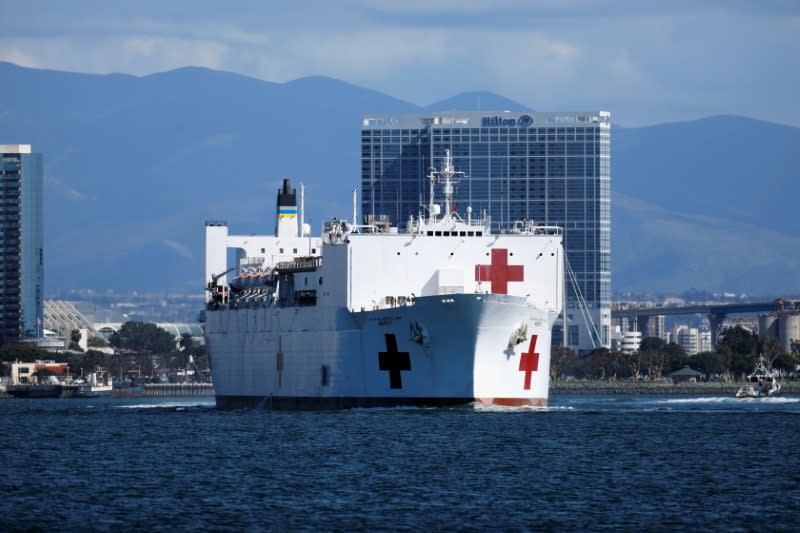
439, 312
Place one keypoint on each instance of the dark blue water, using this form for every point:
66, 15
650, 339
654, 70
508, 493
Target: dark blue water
585, 463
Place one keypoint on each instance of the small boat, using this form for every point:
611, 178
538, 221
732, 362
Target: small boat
99, 383
762, 383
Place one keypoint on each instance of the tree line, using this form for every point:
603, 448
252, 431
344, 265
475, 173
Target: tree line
139, 347
735, 356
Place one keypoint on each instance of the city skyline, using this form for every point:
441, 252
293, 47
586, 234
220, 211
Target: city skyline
664, 189
648, 62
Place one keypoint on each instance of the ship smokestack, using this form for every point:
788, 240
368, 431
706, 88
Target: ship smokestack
286, 213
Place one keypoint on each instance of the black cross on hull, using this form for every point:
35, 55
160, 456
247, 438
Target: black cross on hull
393, 361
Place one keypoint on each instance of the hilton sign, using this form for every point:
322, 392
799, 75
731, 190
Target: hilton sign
523, 121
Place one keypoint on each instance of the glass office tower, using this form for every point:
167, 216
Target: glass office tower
554, 168
21, 243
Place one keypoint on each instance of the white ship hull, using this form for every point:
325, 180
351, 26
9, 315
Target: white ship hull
443, 313
442, 350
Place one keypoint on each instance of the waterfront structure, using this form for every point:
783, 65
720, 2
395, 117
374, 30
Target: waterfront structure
25, 373
176, 329
62, 317
783, 326
686, 375
553, 168
21, 243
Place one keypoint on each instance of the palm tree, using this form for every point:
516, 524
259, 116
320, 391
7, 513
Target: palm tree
186, 342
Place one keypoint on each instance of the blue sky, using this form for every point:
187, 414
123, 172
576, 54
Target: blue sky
645, 61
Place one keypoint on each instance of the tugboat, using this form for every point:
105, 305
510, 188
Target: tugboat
99, 383
763, 383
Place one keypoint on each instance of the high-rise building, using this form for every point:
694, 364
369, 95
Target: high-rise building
656, 326
554, 168
21, 243
687, 338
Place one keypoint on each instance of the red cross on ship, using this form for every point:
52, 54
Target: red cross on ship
499, 272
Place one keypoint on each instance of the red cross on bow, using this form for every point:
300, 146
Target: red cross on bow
529, 362
499, 272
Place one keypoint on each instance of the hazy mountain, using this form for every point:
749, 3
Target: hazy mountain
134, 166
475, 101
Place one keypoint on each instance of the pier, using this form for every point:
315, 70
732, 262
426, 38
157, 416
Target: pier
163, 390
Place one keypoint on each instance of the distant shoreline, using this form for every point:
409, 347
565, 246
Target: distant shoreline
630, 387
643, 387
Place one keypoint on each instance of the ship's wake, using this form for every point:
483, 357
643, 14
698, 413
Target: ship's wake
172, 405
729, 400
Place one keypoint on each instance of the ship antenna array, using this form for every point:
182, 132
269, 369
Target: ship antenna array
447, 173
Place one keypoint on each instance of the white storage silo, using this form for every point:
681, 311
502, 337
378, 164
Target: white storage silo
789, 330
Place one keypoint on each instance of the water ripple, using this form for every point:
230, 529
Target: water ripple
584, 463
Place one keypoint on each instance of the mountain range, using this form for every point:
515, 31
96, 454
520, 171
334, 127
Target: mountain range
135, 165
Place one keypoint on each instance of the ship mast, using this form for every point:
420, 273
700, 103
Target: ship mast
446, 174
431, 204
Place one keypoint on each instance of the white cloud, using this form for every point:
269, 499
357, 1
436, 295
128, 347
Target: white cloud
180, 249
57, 184
647, 62
138, 55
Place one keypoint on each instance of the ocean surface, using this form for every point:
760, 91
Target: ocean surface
586, 463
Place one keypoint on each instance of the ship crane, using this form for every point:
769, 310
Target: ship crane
215, 289
215, 277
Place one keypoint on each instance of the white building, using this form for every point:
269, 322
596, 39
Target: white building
688, 339
631, 341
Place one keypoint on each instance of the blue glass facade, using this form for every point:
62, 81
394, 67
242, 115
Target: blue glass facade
21, 243
550, 167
